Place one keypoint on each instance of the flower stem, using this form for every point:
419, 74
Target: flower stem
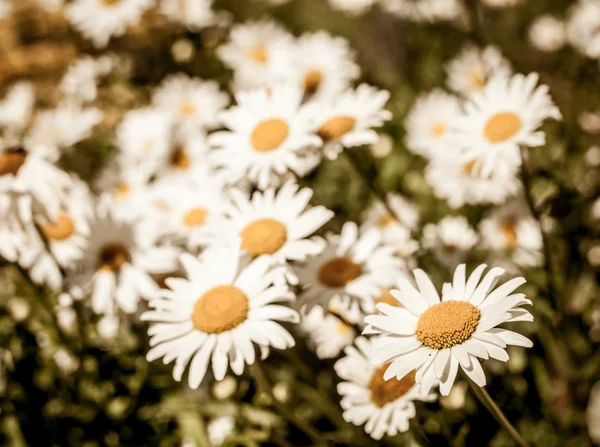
495, 410
263, 385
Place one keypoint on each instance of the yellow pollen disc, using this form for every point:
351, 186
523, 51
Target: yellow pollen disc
220, 309
112, 257
473, 168
180, 159
263, 237
336, 127
383, 392
195, 217
312, 81
60, 230
258, 54
476, 78
338, 272
509, 230
438, 129
447, 324
110, 2
269, 134
11, 162
502, 126
343, 328
386, 221
387, 298
122, 190
187, 109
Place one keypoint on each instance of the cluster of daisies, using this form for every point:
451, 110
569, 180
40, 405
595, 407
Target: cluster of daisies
198, 225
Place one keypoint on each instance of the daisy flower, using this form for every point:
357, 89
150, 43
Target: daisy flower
275, 223
583, 28
99, 20
11, 230
249, 51
195, 14
217, 313
428, 121
63, 127
460, 180
219, 429
382, 406
118, 261
469, 71
502, 117
353, 265
17, 106
349, 120
186, 157
547, 33
355, 7
193, 102
40, 263
323, 65
425, 10
500, 3
433, 337
450, 239
327, 334
267, 136
80, 83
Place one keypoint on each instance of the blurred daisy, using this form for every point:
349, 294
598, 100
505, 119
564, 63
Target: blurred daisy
470, 70
425, 10
249, 51
5, 8
428, 121
63, 127
194, 103
275, 223
186, 157
460, 181
219, 429
11, 230
383, 406
502, 117
592, 413
17, 106
327, 333
217, 312
512, 229
195, 14
353, 266
501, 3
80, 82
450, 239
583, 28
355, 7
323, 65
118, 261
547, 33
434, 336
40, 264
349, 120
267, 134
99, 20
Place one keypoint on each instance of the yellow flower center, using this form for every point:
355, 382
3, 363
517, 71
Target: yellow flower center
60, 230
473, 168
336, 127
187, 109
122, 190
269, 134
338, 272
476, 78
447, 324
312, 81
438, 129
509, 230
195, 217
263, 237
110, 2
180, 159
387, 298
343, 328
258, 54
386, 221
383, 392
220, 309
11, 162
112, 257
502, 126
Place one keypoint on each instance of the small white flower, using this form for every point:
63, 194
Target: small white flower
195, 14
327, 333
425, 10
450, 239
17, 106
583, 28
219, 429
269, 136
218, 312
384, 406
547, 33
355, 7
435, 337
501, 118
471, 69
501, 3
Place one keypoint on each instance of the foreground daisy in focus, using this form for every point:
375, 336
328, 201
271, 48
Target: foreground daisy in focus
216, 313
434, 336
386, 406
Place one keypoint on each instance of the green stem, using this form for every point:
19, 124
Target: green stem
495, 410
263, 385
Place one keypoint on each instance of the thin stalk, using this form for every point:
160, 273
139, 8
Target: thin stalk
495, 410
263, 384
